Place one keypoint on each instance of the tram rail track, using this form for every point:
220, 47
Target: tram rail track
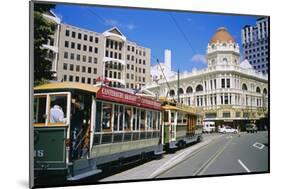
199, 171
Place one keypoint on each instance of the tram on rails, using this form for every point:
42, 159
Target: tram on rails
79, 129
182, 125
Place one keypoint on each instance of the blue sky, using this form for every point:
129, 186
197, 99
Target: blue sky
157, 30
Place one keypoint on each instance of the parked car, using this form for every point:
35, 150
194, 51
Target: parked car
251, 128
227, 129
209, 127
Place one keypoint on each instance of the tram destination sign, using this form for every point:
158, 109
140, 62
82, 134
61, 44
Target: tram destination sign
113, 95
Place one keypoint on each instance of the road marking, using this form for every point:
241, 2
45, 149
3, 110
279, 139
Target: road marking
244, 166
258, 145
211, 160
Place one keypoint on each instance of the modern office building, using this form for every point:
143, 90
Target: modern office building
255, 41
227, 91
86, 56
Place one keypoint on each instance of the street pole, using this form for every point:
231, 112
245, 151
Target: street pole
178, 85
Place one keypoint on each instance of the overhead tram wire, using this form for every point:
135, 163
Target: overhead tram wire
183, 34
163, 75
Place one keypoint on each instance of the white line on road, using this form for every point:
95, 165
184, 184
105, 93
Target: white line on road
244, 166
258, 145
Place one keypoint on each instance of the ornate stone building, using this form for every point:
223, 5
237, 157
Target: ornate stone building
227, 91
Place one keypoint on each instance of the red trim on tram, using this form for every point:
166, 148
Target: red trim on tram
114, 95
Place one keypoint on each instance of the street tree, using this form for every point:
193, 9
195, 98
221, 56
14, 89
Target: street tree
43, 30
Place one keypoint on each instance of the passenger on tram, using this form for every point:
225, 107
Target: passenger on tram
56, 112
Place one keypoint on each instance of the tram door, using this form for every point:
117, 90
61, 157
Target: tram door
173, 125
80, 124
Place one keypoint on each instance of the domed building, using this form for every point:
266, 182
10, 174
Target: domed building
226, 91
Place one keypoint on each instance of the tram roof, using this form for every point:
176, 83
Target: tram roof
68, 85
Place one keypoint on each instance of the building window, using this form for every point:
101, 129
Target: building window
84, 48
64, 77
95, 70
65, 66
91, 39
77, 78
132, 58
90, 59
143, 62
71, 67
72, 56
77, 68
79, 35
65, 55
96, 40
89, 70
128, 76
96, 50
85, 37
128, 48
95, 60
89, 81
84, 58
72, 45
79, 46
66, 32
83, 80
90, 49
66, 44
226, 114
78, 57
222, 83
133, 49
119, 56
143, 70
225, 99
227, 83
70, 78
73, 34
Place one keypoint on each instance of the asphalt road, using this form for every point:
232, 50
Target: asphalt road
228, 154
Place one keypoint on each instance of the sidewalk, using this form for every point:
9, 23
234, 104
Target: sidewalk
153, 168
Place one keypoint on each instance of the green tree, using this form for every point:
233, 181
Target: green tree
43, 29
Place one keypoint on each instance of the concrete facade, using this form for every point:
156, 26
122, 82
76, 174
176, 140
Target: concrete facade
81, 55
226, 91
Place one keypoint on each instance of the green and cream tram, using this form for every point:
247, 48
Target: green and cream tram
181, 125
79, 128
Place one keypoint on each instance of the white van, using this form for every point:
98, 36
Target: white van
209, 127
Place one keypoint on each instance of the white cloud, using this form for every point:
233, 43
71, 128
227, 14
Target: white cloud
199, 58
116, 23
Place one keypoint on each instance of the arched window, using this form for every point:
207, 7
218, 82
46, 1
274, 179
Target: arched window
180, 91
224, 60
258, 90
213, 46
172, 92
199, 88
244, 87
264, 91
189, 90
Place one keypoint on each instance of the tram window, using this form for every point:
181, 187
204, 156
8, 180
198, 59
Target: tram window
149, 120
158, 121
179, 121
172, 117
39, 109
128, 116
115, 119
154, 120
166, 116
185, 119
135, 122
98, 117
58, 109
106, 116
121, 117
142, 124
